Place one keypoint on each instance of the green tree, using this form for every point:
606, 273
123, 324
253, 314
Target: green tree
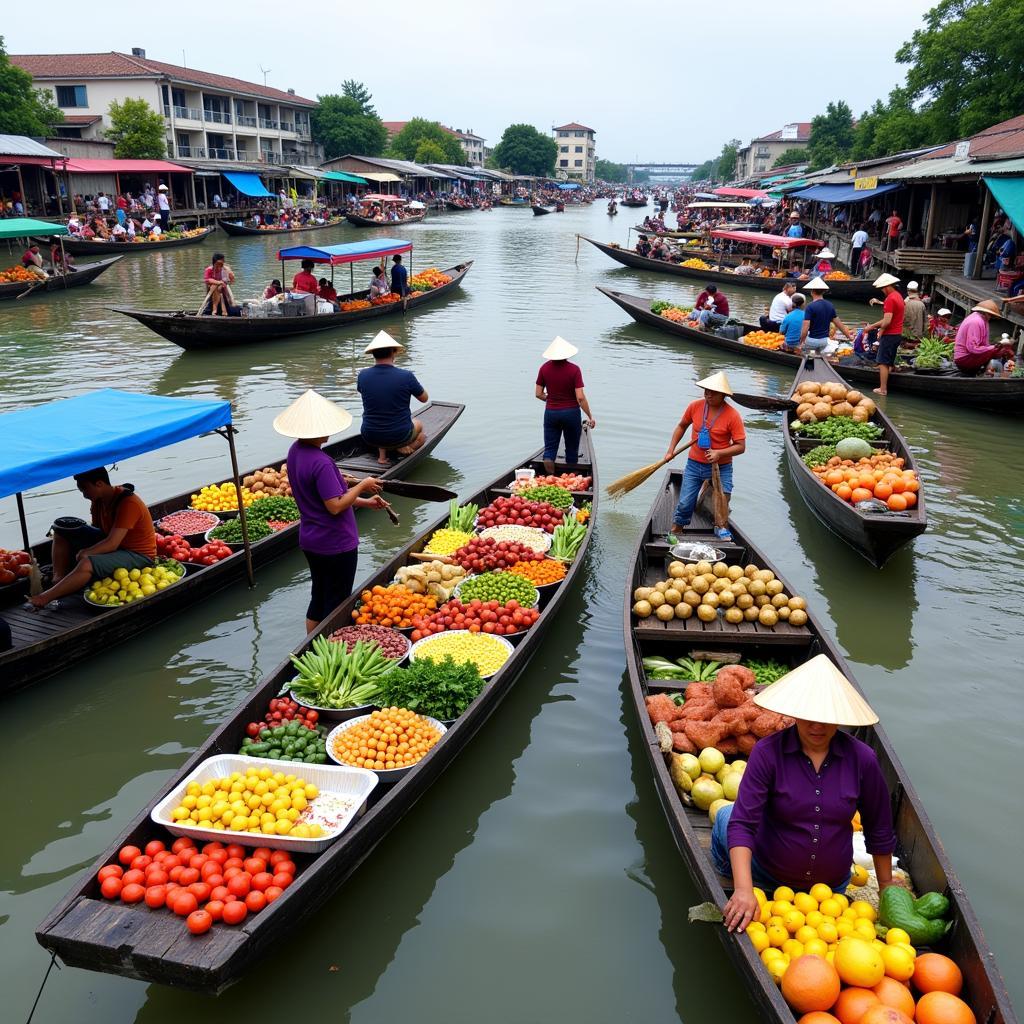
727, 160
524, 150
793, 155
831, 135
892, 127
704, 171
608, 171
429, 152
23, 109
341, 126
136, 130
967, 65
357, 91
418, 130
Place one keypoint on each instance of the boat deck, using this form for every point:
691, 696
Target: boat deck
965, 292
29, 626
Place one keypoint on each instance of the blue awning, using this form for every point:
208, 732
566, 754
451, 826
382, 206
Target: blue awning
567, 186
348, 252
1009, 194
839, 195
56, 440
353, 179
248, 184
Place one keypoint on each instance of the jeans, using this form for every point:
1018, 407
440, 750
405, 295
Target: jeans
693, 479
815, 344
559, 423
710, 319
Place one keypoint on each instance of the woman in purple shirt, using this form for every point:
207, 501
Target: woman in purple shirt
791, 822
327, 528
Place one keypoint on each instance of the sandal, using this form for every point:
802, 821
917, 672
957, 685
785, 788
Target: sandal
721, 533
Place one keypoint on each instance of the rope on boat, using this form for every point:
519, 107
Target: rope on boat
46, 978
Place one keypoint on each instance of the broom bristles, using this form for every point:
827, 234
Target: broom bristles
631, 481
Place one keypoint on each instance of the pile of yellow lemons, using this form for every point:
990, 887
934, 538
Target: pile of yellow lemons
128, 585
221, 498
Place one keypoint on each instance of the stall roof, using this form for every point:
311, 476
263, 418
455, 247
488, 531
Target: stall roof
1008, 193
775, 241
23, 227
839, 195
348, 252
22, 145
80, 165
718, 206
345, 176
949, 167
742, 193
301, 171
58, 439
381, 176
248, 184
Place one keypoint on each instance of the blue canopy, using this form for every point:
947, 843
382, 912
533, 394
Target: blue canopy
248, 184
347, 252
567, 185
56, 440
1008, 193
839, 195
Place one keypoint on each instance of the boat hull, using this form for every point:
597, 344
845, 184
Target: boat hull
84, 247
230, 227
82, 275
368, 222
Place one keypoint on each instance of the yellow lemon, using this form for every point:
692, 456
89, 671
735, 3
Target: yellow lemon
777, 968
759, 940
844, 927
859, 963
782, 907
815, 918
766, 914
841, 899
859, 875
783, 893
899, 964
755, 926
769, 954
804, 902
850, 915
792, 948
909, 948
864, 928
828, 932
759, 894
805, 934
793, 921
777, 935
830, 956
815, 947
821, 892
864, 909
830, 906
775, 919
895, 935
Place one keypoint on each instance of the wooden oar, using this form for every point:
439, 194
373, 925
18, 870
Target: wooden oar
769, 403
407, 489
31, 289
631, 481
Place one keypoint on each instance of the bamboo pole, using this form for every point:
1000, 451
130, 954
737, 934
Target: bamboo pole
229, 433
986, 213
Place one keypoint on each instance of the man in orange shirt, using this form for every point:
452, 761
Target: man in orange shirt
718, 435
121, 537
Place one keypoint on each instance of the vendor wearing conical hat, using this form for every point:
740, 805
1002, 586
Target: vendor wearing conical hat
718, 436
559, 386
791, 823
328, 534
388, 424
819, 315
890, 328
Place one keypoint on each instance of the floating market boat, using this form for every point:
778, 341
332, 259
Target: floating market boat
86, 931
234, 227
876, 533
458, 207
918, 848
993, 394
75, 277
47, 641
539, 210
191, 331
625, 201
94, 247
356, 220
668, 232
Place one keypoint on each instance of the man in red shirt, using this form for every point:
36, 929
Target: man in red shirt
718, 435
560, 388
890, 329
892, 227
304, 281
711, 307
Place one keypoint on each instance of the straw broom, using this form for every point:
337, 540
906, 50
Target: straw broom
631, 481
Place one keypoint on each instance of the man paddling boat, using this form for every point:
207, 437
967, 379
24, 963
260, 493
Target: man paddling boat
388, 424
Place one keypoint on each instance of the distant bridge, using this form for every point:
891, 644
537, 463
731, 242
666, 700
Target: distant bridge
667, 171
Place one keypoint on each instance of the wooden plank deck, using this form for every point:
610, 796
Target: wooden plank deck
29, 626
964, 292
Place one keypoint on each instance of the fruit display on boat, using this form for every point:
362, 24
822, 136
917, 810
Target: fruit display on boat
353, 304
386, 739
695, 264
822, 401
502, 618
126, 586
269, 482
385, 300
395, 605
17, 275
439, 579
187, 523
221, 498
541, 574
881, 476
770, 340
837, 275
447, 541
520, 510
14, 565
429, 279
486, 651
482, 554
564, 481
169, 235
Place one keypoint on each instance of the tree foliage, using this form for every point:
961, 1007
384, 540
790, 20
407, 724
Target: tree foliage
831, 135
606, 170
524, 150
357, 91
24, 110
137, 130
788, 157
405, 144
341, 125
722, 167
429, 152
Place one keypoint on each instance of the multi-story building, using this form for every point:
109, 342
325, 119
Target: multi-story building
575, 157
209, 117
472, 145
758, 156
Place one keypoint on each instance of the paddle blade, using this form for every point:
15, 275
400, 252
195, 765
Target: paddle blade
424, 492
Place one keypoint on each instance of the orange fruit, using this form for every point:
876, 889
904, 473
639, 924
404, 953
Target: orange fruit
859, 962
810, 983
943, 1008
818, 1017
882, 1014
844, 491
899, 485
896, 501
861, 493
853, 1003
910, 498
894, 993
934, 972
882, 490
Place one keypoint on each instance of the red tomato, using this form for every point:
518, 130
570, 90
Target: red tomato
209, 848
132, 893
200, 890
188, 876
175, 873
182, 843
214, 880
233, 862
157, 876
234, 850
187, 853
111, 887
272, 892
219, 856
254, 865
262, 881
128, 853
230, 873
110, 871
141, 863
285, 866
276, 856
182, 902
171, 861
255, 901
215, 908
263, 852
156, 896
133, 877
198, 861
220, 893
234, 912
240, 885
210, 867
282, 880
199, 921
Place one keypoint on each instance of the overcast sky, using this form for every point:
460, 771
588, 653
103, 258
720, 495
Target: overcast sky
655, 85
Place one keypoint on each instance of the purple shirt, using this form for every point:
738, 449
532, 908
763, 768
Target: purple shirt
797, 821
314, 479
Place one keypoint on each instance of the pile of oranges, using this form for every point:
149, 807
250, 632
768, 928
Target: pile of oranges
880, 476
354, 304
676, 314
540, 573
427, 279
395, 606
837, 275
387, 739
771, 340
15, 274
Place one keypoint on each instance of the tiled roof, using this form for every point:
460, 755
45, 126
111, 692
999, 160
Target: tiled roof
573, 126
122, 65
82, 119
803, 133
1001, 139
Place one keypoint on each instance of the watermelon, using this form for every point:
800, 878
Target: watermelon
853, 448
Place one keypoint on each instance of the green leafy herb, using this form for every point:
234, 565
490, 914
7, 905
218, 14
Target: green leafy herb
283, 510
766, 671
835, 428
440, 689
932, 353
820, 455
230, 531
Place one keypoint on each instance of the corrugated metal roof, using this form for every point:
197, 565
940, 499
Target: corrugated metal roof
22, 145
947, 167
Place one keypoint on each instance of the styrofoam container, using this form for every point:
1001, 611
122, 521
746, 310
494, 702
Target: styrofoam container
338, 780
387, 775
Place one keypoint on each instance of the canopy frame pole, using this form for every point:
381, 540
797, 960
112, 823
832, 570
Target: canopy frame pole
929, 234
23, 521
228, 432
986, 213
351, 280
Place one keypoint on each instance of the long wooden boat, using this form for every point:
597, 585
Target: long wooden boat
994, 394
204, 332
509, 201
76, 277
853, 291
875, 535
457, 207
90, 247
539, 211
233, 227
129, 940
49, 640
368, 222
918, 849
668, 232
633, 202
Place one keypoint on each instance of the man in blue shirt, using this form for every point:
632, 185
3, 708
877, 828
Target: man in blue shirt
400, 279
793, 324
795, 229
818, 319
386, 389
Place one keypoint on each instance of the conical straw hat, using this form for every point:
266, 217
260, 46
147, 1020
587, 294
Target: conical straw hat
817, 692
560, 349
817, 285
312, 415
716, 382
884, 280
383, 340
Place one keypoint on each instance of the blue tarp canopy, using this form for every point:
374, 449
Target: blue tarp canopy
56, 440
248, 184
353, 179
1009, 194
839, 195
348, 252
567, 186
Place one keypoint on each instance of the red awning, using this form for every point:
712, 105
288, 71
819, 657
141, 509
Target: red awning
38, 161
378, 197
742, 193
79, 165
775, 241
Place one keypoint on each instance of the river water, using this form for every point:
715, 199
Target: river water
537, 881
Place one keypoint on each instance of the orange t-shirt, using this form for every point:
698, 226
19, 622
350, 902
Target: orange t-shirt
725, 424
132, 515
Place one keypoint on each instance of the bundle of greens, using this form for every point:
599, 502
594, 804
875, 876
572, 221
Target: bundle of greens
281, 510
835, 428
440, 689
932, 353
566, 539
332, 676
686, 670
461, 519
766, 672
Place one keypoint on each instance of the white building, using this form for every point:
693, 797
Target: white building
472, 145
575, 151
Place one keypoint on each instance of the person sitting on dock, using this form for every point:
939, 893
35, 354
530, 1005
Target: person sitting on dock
711, 307
121, 537
972, 351
388, 424
304, 281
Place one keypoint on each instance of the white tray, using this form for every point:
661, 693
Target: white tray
342, 781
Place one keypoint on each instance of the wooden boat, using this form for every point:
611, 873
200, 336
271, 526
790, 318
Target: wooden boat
669, 233
539, 210
368, 222
457, 207
233, 227
77, 276
508, 201
86, 931
633, 202
89, 247
855, 290
875, 535
918, 847
994, 394
204, 332
48, 641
